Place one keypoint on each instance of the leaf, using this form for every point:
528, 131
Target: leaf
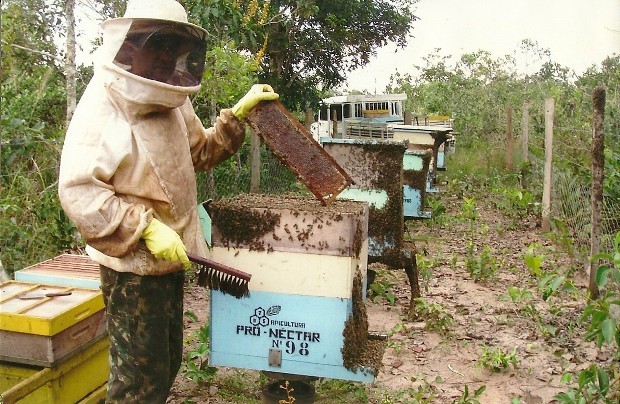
585, 377
557, 282
569, 287
601, 256
603, 379
601, 275
563, 398
191, 315
609, 330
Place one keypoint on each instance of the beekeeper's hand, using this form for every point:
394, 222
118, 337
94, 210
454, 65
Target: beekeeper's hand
165, 243
258, 93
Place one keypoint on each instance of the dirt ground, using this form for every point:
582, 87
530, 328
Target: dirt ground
425, 366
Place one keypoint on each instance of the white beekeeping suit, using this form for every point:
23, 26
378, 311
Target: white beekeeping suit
127, 181
134, 142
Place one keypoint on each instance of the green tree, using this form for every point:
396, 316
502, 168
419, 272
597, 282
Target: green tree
477, 89
32, 110
306, 46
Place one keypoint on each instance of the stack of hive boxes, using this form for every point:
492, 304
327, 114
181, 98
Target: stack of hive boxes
53, 344
305, 315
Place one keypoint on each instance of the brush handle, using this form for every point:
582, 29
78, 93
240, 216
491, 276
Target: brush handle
219, 267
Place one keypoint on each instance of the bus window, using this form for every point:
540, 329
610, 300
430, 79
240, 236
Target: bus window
323, 113
359, 113
346, 110
337, 109
376, 106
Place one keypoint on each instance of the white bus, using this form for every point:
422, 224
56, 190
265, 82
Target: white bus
358, 109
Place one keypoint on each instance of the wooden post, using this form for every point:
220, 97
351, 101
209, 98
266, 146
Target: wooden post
334, 124
598, 165
525, 128
546, 201
308, 120
407, 118
509, 141
255, 163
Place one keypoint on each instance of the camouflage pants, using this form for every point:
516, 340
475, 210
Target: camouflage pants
145, 327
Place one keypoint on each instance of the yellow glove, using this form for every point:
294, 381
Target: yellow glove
165, 243
258, 93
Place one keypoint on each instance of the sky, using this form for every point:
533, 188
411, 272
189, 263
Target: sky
578, 34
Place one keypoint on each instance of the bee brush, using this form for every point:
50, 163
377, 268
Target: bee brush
221, 277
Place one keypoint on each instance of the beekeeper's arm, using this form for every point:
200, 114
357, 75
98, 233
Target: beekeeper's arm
211, 146
107, 222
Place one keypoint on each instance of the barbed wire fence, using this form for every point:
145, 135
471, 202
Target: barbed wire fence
571, 208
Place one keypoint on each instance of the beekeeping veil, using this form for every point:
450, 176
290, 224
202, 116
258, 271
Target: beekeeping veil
155, 26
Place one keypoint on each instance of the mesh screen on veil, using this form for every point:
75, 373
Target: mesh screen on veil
168, 52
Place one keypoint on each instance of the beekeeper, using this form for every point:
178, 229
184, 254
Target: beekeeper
127, 181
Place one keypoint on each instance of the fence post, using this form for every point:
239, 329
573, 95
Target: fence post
525, 128
407, 118
509, 140
255, 163
598, 165
546, 201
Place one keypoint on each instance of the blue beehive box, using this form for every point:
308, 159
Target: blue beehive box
426, 137
306, 314
415, 175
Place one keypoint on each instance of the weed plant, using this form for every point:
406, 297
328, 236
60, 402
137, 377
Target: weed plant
436, 318
438, 212
484, 267
196, 362
382, 287
466, 398
496, 359
600, 383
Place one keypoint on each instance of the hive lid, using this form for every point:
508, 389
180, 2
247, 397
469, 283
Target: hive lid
65, 270
295, 147
45, 309
81, 265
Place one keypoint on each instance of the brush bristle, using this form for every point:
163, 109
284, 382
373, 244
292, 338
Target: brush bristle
225, 283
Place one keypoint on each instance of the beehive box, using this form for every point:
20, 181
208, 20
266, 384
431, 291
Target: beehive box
305, 313
41, 326
65, 269
376, 167
422, 138
415, 174
79, 379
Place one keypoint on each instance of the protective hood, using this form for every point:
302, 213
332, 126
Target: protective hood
152, 55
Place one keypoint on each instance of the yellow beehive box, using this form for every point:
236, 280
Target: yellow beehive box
45, 324
79, 379
45, 309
